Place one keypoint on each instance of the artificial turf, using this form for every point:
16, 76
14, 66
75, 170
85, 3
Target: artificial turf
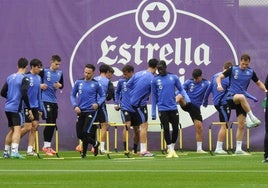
189, 170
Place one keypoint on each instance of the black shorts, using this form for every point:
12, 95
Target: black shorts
130, 116
14, 119
237, 107
193, 111
142, 114
102, 115
35, 114
224, 112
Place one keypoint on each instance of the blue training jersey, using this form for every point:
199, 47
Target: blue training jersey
163, 93
239, 80
140, 88
104, 82
196, 91
50, 77
122, 95
15, 90
34, 91
219, 98
85, 93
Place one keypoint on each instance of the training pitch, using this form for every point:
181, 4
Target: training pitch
189, 170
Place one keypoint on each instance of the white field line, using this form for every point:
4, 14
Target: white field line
133, 170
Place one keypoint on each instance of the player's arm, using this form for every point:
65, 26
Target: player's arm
24, 92
154, 99
225, 74
266, 82
207, 93
258, 82
182, 92
118, 95
61, 82
218, 81
102, 96
4, 90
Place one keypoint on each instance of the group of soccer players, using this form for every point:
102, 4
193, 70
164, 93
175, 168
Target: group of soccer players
25, 104
88, 96
228, 87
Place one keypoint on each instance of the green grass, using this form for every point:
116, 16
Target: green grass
189, 170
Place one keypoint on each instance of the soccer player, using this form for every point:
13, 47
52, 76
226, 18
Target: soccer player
163, 95
140, 89
220, 103
122, 102
240, 77
195, 88
52, 80
106, 73
15, 90
86, 104
34, 94
266, 125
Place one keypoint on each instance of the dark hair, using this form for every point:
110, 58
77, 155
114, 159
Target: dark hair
104, 68
35, 63
227, 65
152, 63
162, 68
90, 66
245, 57
162, 64
22, 62
128, 68
55, 58
111, 70
196, 73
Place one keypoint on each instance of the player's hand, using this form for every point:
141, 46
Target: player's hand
95, 106
40, 113
77, 110
31, 117
220, 88
43, 86
57, 85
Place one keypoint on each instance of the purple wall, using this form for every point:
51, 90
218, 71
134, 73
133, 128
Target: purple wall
187, 34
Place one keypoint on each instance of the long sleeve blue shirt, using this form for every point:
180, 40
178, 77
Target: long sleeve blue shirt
140, 86
34, 91
50, 77
219, 98
122, 95
196, 90
163, 93
85, 93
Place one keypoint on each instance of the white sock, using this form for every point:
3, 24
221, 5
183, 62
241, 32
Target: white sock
142, 147
199, 146
251, 115
102, 144
238, 146
219, 145
173, 146
7, 148
47, 144
29, 149
15, 147
170, 148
